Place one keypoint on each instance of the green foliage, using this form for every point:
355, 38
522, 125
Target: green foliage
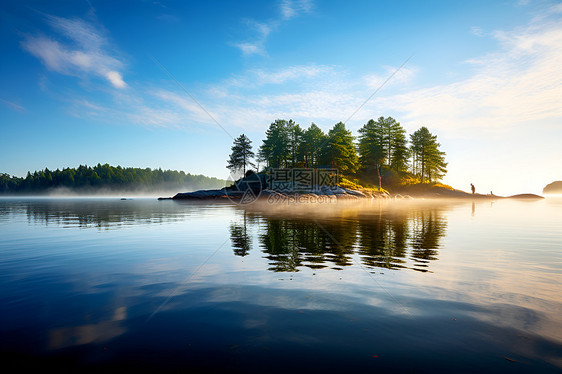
275, 150
296, 141
383, 142
339, 150
242, 155
428, 162
371, 146
381, 153
313, 141
90, 179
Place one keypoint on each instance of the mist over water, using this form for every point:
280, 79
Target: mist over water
423, 285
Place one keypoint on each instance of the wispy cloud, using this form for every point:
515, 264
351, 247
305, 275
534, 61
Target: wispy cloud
259, 77
475, 30
84, 52
520, 82
258, 36
402, 76
12, 105
259, 31
294, 8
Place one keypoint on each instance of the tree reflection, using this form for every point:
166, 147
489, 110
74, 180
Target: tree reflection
241, 241
98, 213
289, 244
408, 239
383, 242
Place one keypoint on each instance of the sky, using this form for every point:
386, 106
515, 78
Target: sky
169, 84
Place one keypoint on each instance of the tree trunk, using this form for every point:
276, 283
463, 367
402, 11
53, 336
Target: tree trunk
380, 179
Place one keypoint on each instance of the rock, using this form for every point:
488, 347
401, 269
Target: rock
354, 192
201, 194
526, 196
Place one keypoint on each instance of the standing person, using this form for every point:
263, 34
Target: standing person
472, 188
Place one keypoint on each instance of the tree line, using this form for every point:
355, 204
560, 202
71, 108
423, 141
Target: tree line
115, 178
382, 147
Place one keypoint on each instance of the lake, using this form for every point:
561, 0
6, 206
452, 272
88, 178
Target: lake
402, 286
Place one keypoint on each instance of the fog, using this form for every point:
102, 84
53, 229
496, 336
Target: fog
62, 192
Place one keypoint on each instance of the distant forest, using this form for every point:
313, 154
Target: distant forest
87, 179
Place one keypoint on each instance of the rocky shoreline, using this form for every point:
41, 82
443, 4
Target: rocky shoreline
331, 193
318, 193
256, 187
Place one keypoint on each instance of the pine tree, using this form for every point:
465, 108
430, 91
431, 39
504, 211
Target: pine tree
275, 149
428, 162
340, 150
371, 148
241, 155
313, 140
296, 151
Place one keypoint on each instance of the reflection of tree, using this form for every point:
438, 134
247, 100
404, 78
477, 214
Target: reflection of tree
293, 243
428, 227
312, 244
279, 245
341, 241
241, 241
106, 213
383, 242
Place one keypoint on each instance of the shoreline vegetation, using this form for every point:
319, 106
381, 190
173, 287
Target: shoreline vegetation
87, 180
255, 187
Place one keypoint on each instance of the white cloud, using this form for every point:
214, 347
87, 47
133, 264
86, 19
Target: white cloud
400, 77
294, 8
259, 31
520, 82
259, 77
290, 73
250, 48
84, 52
116, 79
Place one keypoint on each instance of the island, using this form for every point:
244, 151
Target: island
553, 188
260, 187
308, 165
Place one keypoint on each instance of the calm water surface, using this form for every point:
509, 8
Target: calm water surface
410, 287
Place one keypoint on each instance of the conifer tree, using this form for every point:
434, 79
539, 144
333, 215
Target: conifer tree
428, 162
340, 150
242, 155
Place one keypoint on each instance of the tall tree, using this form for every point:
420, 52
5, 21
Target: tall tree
275, 150
383, 143
296, 141
313, 139
340, 151
428, 162
394, 143
242, 154
371, 147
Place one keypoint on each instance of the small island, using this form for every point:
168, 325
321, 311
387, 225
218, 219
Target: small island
553, 188
307, 164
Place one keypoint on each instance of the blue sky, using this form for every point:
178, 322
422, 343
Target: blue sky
84, 82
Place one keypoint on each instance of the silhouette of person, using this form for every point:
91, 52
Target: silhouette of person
472, 188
